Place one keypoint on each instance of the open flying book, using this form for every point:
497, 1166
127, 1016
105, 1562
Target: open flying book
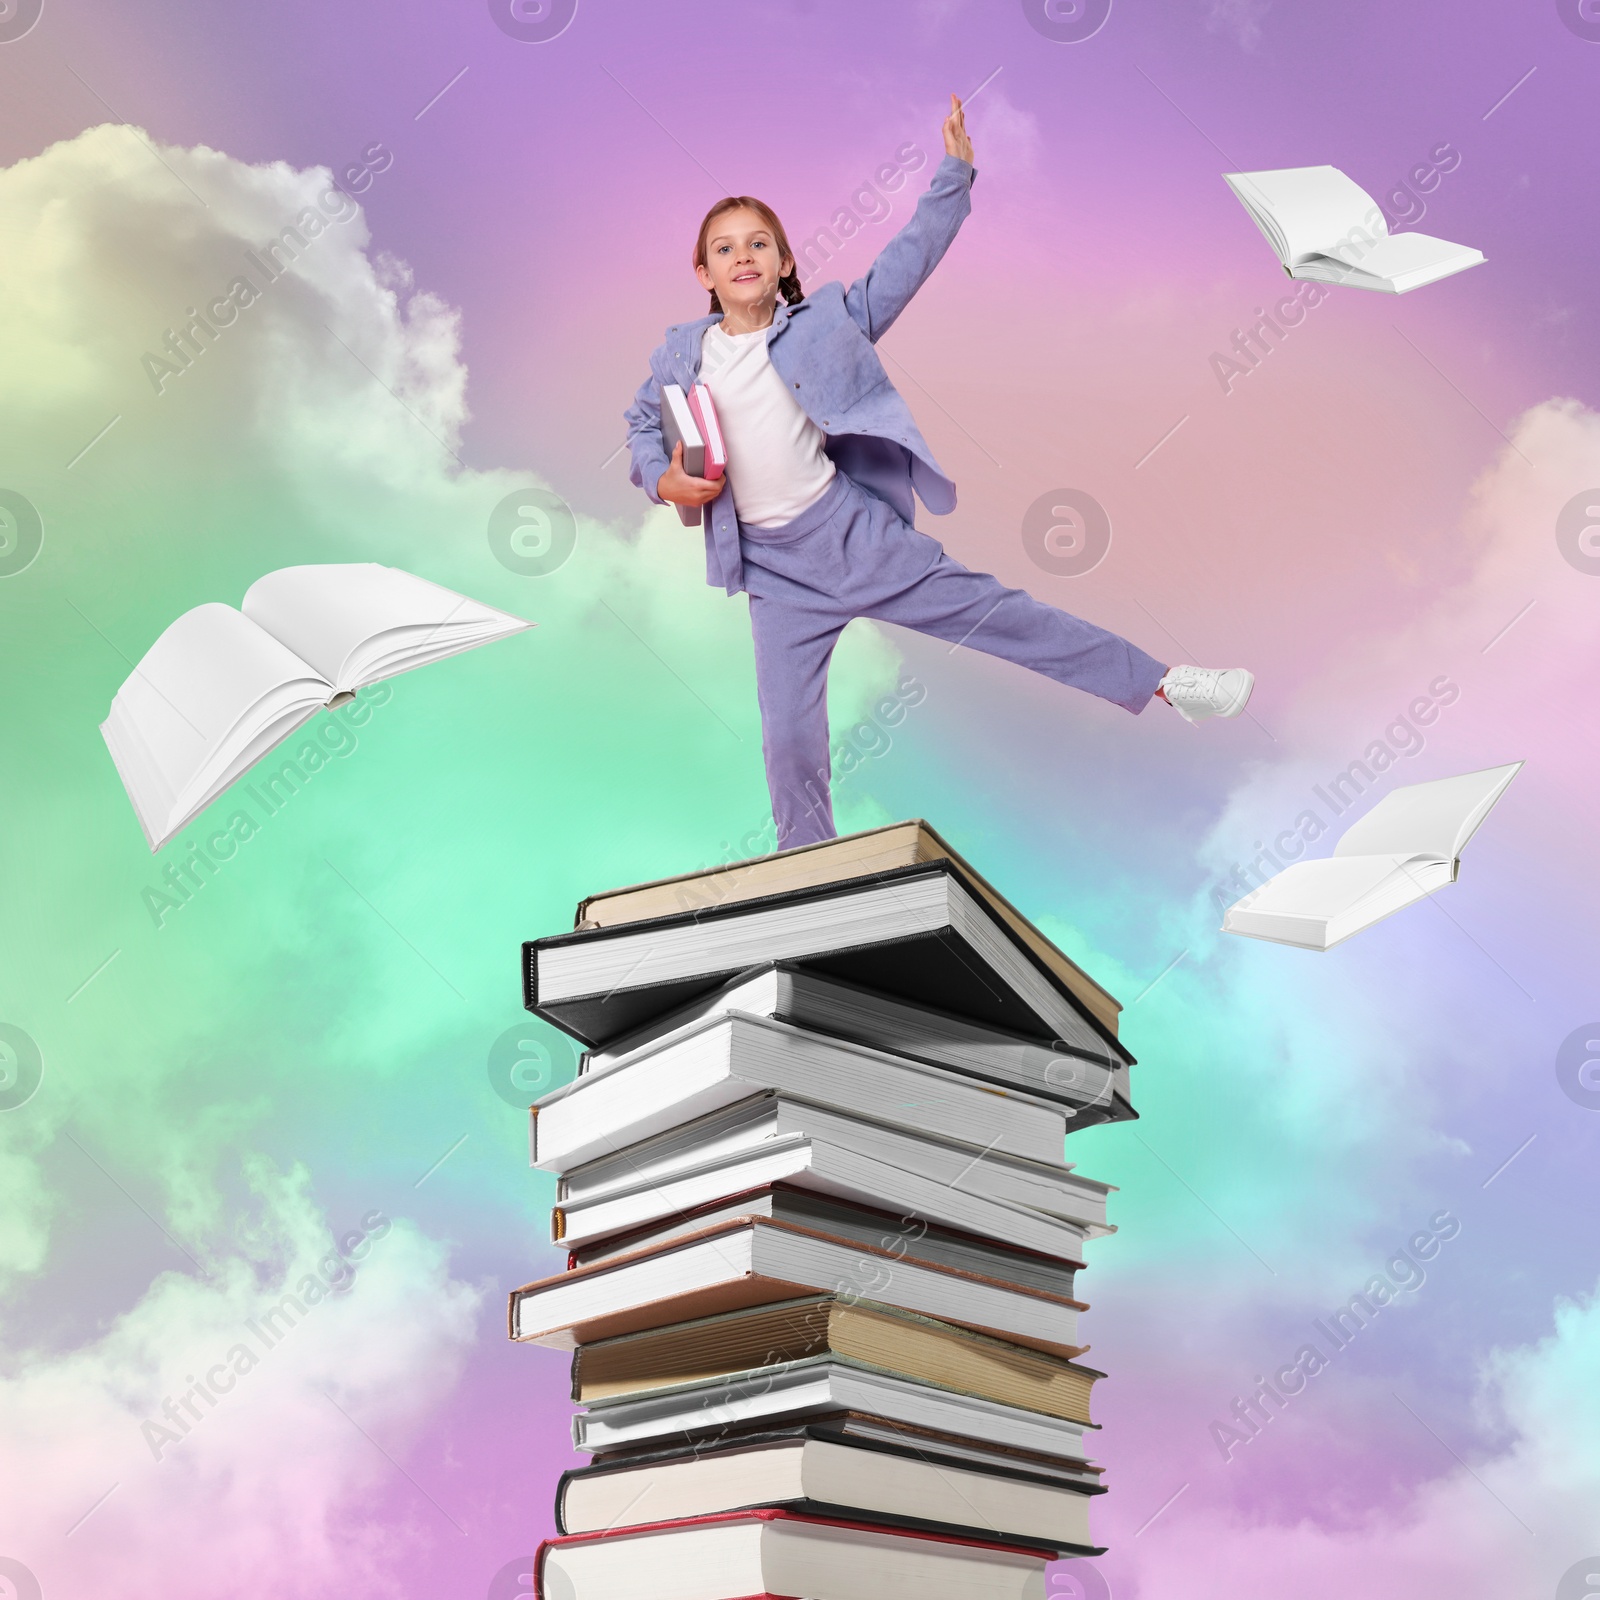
220, 688
1326, 227
1406, 847
691, 420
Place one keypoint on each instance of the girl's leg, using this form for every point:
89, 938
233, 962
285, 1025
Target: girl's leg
793, 646
949, 601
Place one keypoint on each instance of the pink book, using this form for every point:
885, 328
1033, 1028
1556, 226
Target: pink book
705, 414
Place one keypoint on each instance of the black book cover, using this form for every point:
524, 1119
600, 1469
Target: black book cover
937, 969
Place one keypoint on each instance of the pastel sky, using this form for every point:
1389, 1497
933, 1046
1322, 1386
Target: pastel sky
308, 1056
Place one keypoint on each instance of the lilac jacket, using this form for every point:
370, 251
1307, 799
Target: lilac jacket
823, 349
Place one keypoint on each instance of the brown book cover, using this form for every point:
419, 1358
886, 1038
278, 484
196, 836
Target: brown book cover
886, 1338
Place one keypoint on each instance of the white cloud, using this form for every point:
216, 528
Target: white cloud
1506, 1520
1005, 137
1515, 684
1241, 18
324, 415
252, 1467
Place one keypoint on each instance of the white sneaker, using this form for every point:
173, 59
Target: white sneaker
1196, 693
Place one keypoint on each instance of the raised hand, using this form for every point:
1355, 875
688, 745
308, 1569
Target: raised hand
956, 142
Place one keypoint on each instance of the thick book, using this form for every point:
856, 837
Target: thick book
826, 1169
857, 1332
822, 1476
1326, 228
770, 1553
1083, 1075
690, 419
775, 1139
731, 1057
1404, 849
797, 1391
917, 933
855, 855
760, 1261
220, 688
878, 1433
908, 1236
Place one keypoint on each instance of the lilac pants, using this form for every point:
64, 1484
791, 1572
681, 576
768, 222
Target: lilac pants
851, 555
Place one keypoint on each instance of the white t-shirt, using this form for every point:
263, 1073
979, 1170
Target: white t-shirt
776, 462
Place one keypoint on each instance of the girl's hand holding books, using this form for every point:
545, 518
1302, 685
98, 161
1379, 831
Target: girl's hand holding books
680, 488
956, 142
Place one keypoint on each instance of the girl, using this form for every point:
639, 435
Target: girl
814, 517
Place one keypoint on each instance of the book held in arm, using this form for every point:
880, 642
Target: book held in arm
690, 419
220, 688
1326, 228
1404, 849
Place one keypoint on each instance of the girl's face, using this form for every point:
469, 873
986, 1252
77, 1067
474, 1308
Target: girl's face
743, 263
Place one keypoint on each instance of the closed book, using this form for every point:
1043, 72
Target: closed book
730, 1057
1046, 1205
714, 463
766, 1553
758, 1261
863, 1428
818, 1386
814, 1474
902, 1235
920, 1349
679, 425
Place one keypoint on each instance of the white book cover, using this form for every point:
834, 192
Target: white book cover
835, 1171
1327, 228
220, 688
1405, 848
731, 1057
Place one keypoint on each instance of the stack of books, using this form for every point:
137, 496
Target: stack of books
823, 1243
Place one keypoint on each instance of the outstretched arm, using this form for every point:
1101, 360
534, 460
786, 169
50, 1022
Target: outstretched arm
903, 265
